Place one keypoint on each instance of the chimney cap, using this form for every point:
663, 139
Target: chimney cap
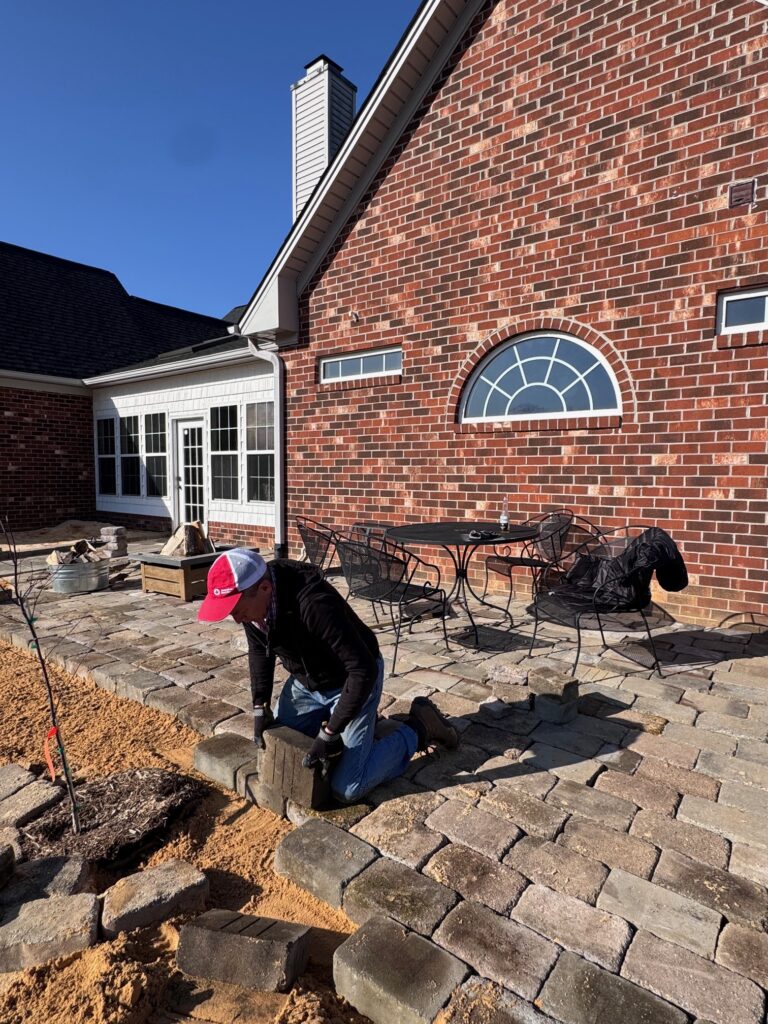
323, 57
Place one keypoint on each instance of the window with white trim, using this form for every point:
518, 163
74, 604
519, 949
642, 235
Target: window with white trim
260, 451
225, 474
106, 456
741, 311
359, 365
156, 458
130, 457
540, 376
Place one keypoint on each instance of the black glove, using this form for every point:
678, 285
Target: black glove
262, 719
327, 748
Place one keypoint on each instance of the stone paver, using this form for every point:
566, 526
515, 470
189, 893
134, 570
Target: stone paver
476, 877
739, 727
482, 1002
386, 887
664, 748
533, 816
737, 899
204, 715
673, 834
558, 868
29, 802
749, 862
43, 929
638, 790
390, 974
486, 833
744, 951
498, 948
47, 876
396, 828
612, 848
589, 803
322, 859
694, 783
733, 769
737, 825
242, 949
219, 757
701, 987
569, 922
703, 739
562, 763
661, 911
580, 992
152, 895
13, 778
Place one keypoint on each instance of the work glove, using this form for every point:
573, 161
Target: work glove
325, 751
262, 719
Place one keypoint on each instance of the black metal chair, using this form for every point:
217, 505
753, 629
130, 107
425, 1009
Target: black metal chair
383, 574
319, 542
544, 550
608, 574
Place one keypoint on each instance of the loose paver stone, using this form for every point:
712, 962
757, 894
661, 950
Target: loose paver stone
392, 975
699, 986
47, 876
151, 895
243, 949
580, 992
219, 757
322, 859
476, 877
34, 932
661, 911
29, 802
499, 949
386, 887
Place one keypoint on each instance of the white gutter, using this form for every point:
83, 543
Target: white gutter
278, 384
42, 382
169, 369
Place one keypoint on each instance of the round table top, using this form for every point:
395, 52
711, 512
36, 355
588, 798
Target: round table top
457, 534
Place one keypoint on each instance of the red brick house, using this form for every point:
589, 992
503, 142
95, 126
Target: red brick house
537, 267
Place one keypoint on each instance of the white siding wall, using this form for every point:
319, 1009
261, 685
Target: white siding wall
187, 396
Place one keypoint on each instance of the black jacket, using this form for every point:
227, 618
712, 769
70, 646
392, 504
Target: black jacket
318, 639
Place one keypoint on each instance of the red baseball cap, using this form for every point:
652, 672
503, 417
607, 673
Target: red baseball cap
231, 574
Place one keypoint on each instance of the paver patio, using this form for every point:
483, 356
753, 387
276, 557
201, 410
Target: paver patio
633, 834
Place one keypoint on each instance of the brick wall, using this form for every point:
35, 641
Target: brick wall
46, 458
569, 171
262, 537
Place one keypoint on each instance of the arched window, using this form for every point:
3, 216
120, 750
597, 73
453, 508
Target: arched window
540, 376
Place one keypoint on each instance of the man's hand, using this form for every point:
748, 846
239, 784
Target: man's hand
326, 749
262, 719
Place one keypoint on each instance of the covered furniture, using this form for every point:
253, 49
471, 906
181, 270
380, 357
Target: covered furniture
384, 574
319, 542
606, 575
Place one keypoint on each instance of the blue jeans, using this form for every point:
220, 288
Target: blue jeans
366, 761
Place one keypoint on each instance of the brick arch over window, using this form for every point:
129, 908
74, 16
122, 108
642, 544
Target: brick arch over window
519, 329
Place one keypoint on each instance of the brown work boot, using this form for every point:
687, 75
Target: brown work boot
431, 725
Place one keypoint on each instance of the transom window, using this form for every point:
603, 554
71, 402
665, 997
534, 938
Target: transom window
540, 376
358, 366
260, 451
224, 453
743, 311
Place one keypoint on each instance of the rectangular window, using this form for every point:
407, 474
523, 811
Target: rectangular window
130, 457
260, 448
156, 448
105, 452
224, 453
383, 363
743, 311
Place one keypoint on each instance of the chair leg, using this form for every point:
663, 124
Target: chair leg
578, 641
535, 629
656, 662
442, 617
600, 627
375, 613
396, 627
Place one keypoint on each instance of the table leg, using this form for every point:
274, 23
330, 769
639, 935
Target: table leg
461, 585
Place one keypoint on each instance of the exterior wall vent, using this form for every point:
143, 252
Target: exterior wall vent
323, 110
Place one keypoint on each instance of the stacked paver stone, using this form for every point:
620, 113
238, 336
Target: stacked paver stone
115, 540
619, 859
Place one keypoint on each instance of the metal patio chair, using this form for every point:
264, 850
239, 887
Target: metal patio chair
383, 574
608, 575
544, 550
319, 542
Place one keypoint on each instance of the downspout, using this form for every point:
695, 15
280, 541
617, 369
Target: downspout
278, 382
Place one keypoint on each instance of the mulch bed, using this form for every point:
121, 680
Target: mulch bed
118, 814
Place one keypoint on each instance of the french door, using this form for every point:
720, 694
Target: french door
190, 472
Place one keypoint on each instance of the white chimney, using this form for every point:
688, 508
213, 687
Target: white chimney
323, 111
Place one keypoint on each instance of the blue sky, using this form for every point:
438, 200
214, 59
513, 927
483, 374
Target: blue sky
152, 138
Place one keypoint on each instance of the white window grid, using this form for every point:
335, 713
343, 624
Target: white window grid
223, 451
259, 444
118, 455
381, 362
728, 298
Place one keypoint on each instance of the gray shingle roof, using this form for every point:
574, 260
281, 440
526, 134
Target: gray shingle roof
70, 320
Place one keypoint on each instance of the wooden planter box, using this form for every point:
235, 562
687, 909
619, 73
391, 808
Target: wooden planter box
180, 577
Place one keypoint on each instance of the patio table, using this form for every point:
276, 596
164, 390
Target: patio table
457, 540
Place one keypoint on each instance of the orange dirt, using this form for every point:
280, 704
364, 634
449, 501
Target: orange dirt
126, 981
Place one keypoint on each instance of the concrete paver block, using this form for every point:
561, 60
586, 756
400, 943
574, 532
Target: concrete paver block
531, 815
745, 951
386, 887
554, 709
204, 715
281, 768
482, 1002
553, 681
32, 933
47, 876
28, 803
390, 974
558, 868
396, 828
322, 859
170, 699
614, 849
590, 803
497, 948
242, 949
701, 987
13, 778
481, 831
638, 790
673, 834
733, 823
737, 899
138, 685
219, 757
153, 895
580, 992
476, 877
